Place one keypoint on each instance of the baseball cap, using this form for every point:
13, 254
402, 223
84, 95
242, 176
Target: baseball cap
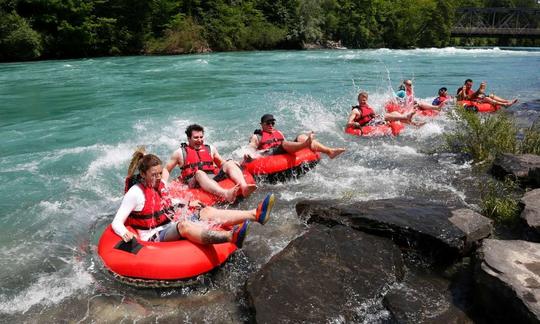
267, 117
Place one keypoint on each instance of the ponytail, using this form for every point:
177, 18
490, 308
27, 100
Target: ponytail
136, 160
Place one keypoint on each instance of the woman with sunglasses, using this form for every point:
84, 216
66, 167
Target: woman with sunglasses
270, 141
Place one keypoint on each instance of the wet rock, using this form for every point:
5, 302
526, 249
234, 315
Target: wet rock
425, 298
531, 209
324, 275
443, 232
524, 167
507, 281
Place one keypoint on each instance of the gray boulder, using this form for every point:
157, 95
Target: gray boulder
507, 281
427, 298
325, 275
531, 209
524, 167
445, 233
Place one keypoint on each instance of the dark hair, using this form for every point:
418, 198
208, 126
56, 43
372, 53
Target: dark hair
468, 80
135, 160
193, 127
148, 161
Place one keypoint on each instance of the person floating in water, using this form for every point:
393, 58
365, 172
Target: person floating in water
269, 141
467, 93
412, 102
363, 115
147, 208
202, 166
443, 97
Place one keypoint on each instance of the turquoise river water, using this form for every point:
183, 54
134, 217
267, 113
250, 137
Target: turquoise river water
68, 129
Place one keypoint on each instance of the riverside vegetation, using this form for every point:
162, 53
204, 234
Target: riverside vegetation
44, 29
482, 137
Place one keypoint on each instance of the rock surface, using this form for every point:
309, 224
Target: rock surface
531, 209
326, 275
507, 281
425, 298
524, 167
444, 232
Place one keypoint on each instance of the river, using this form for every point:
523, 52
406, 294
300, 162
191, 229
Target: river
68, 129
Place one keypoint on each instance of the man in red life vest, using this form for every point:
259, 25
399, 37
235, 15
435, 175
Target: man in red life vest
270, 141
201, 165
466, 93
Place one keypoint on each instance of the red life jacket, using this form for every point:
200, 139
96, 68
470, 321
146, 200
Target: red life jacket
366, 115
269, 140
194, 160
154, 212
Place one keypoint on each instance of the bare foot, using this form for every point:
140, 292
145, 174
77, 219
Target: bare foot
248, 190
410, 115
335, 152
513, 102
230, 195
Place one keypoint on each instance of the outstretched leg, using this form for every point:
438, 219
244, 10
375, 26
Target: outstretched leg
211, 186
229, 217
319, 147
235, 173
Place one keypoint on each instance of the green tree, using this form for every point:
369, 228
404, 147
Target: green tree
17, 39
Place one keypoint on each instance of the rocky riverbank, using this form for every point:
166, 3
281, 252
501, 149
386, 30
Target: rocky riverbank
415, 261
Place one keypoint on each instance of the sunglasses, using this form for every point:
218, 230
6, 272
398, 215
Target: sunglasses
270, 123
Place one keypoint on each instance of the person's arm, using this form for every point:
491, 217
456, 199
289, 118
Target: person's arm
129, 203
352, 116
176, 159
218, 160
254, 141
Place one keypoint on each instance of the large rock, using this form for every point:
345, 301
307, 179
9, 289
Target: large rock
427, 298
445, 233
524, 167
324, 276
507, 281
531, 209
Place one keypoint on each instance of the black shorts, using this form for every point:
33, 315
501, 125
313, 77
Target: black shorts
274, 151
221, 175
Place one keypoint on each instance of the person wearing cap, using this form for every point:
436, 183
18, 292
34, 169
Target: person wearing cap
202, 166
466, 93
443, 97
269, 141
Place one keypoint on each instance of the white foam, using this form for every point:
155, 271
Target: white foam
48, 289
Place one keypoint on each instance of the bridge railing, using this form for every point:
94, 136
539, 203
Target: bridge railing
518, 22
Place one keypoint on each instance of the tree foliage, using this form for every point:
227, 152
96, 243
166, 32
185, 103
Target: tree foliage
77, 28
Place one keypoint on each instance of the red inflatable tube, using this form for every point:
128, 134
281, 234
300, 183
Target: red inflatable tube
160, 260
482, 107
280, 163
389, 129
180, 190
392, 106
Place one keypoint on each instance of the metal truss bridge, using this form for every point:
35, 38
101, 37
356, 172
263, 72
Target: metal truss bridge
497, 22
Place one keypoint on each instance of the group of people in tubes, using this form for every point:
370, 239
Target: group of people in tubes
404, 106
148, 208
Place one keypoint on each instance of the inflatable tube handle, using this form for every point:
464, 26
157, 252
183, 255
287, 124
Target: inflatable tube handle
133, 246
